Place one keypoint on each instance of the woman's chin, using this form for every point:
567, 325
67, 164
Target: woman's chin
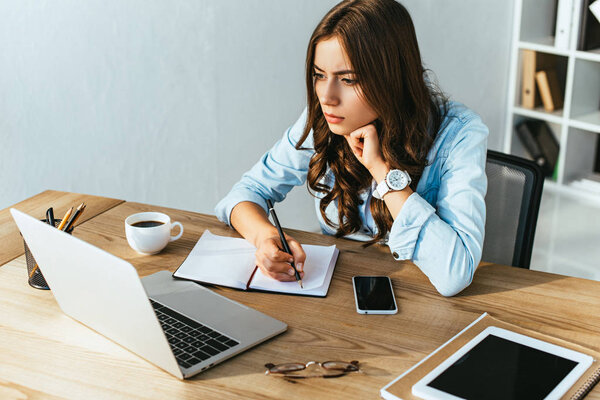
338, 130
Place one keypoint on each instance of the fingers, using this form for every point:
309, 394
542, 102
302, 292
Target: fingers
287, 276
276, 263
364, 132
355, 145
355, 139
281, 277
365, 136
297, 252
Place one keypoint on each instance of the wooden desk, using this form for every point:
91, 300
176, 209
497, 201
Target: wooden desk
12, 243
45, 353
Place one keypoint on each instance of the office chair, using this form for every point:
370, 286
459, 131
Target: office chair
512, 202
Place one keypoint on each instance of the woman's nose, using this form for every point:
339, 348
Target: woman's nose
329, 95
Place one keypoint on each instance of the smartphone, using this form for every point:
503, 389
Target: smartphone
374, 295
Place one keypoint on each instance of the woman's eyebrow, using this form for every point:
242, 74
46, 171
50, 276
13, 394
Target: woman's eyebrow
344, 72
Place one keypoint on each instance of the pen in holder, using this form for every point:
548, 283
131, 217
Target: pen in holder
36, 279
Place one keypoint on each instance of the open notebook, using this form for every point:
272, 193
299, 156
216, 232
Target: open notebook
226, 261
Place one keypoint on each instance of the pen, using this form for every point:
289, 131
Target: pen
286, 247
63, 222
65, 218
50, 216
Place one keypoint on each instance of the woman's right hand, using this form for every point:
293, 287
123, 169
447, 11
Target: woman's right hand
275, 262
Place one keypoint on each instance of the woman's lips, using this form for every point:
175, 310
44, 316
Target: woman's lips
333, 119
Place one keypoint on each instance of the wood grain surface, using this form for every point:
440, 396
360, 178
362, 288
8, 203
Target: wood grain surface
36, 206
45, 354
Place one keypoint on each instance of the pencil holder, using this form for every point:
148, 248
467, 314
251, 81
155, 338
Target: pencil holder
36, 279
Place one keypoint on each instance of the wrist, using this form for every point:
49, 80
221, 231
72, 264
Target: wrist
379, 172
264, 233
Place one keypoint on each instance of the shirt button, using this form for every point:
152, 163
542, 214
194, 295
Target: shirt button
395, 255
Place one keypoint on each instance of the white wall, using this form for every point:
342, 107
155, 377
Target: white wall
169, 103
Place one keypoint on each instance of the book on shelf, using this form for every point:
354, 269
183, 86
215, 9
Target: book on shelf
549, 88
532, 62
528, 79
227, 261
540, 143
595, 9
589, 28
563, 24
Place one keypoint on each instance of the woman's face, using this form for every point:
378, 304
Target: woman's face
338, 91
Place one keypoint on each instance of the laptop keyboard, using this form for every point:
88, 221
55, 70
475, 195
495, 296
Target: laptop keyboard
190, 341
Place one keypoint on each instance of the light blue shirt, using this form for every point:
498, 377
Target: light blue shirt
440, 227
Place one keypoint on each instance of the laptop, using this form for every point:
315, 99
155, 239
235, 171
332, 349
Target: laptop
179, 326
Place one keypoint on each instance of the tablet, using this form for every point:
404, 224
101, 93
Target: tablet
500, 364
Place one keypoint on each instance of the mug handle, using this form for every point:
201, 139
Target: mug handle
173, 225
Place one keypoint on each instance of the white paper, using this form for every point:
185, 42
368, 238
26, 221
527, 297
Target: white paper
315, 271
219, 260
230, 262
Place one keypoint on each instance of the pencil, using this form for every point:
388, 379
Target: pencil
62, 224
64, 219
286, 247
77, 215
74, 217
33, 271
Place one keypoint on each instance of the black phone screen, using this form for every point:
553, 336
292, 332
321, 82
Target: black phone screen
374, 293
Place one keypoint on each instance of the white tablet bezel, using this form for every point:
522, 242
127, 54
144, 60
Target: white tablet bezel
583, 361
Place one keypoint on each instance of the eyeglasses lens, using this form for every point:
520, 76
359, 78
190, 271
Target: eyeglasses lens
282, 368
339, 365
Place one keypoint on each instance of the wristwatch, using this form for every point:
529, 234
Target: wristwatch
394, 180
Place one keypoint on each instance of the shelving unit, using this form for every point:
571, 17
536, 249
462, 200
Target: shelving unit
577, 125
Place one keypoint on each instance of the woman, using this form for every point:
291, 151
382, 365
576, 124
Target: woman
388, 158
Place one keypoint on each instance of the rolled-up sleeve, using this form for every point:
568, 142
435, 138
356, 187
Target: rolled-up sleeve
274, 175
446, 242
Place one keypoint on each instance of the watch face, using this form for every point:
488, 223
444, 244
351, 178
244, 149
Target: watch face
397, 180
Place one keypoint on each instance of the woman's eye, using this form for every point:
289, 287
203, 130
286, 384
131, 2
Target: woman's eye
349, 81
317, 75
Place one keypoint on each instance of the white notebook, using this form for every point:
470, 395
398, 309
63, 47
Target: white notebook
226, 261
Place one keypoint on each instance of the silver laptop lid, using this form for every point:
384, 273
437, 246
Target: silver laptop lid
98, 289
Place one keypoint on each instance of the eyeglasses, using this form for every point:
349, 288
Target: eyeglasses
331, 369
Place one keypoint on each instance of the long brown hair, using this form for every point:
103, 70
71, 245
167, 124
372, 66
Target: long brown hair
379, 39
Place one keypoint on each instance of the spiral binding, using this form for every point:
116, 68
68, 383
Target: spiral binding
587, 386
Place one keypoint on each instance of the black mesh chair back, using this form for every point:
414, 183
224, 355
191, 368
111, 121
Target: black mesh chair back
512, 203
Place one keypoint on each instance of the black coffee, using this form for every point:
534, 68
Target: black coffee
147, 224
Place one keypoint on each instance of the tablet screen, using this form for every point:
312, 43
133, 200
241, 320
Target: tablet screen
497, 368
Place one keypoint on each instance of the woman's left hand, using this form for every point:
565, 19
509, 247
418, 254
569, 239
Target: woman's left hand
364, 143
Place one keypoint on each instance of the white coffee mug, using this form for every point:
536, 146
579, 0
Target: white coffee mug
150, 232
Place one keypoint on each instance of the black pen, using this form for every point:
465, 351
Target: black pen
286, 247
50, 216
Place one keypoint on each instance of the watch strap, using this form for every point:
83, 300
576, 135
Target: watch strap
381, 189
